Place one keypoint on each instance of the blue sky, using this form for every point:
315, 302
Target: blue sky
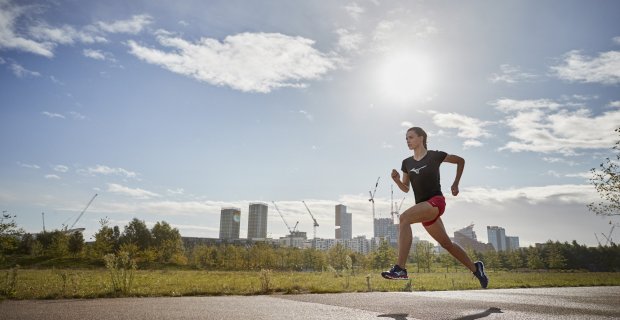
172, 111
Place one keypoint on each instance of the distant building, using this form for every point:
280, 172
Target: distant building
344, 226
500, 241
230, 221
512, 243
296, 239
497, 237
257, 221
385, 228
467, 238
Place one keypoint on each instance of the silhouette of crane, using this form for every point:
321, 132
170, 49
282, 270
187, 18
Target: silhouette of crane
316, 224
291, 231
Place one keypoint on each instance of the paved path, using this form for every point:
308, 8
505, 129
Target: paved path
544, 303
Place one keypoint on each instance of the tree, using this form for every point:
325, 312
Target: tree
555, 257
106, 239
607, 183
384, 256
137, 233
9, 233
514, 259
534, 259
76, 243
167, 241
337, 256
492, 259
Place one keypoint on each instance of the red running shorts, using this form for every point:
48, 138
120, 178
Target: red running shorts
438, 202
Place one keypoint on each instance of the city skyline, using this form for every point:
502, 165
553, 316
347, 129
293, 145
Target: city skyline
171, 111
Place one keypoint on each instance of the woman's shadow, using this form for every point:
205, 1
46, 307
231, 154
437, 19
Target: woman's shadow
483, 314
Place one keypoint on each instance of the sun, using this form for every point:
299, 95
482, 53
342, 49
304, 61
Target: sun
405, 77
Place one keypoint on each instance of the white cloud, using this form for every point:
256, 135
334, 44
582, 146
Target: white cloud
492, 167
546, 126
9, 14
616, 40
94, 54
349, 41
603, 69
614, 104
406, 124
61, 168
132, 26
105, 170
250, 62
2, 61
387, 33
566, 193
307, 115
53, 115
472, 143
77, 115
508, 105
177, 191
135, 193
354, 10
512, 74
560, 160
65, 35
52, 177
29, 166
467, 127
22, 72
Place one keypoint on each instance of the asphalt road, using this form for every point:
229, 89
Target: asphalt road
545, 303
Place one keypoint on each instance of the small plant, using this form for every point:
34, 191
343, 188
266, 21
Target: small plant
10, 283
122, 269
368, 283
265, 280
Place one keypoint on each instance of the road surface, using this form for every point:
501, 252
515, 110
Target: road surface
542, 303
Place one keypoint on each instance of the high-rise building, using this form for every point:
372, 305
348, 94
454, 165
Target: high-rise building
467, 232
512, 243
497, 237
230, 220
467, 239
257, 221
344, 228
385, 228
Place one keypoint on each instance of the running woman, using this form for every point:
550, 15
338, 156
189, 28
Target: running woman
422, 171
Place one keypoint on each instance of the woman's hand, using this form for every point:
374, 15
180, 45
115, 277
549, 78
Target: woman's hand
395, 176
455, 189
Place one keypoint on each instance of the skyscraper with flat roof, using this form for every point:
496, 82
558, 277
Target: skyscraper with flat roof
344, 228
497, 237
230, 220
257, 221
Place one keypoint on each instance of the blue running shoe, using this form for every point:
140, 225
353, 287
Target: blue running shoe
479, 273
396, 273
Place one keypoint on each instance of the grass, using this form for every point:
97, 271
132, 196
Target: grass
96, 283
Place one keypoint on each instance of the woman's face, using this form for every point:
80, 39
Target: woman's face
413, 140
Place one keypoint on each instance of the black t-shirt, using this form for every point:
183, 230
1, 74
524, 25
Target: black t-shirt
424, 175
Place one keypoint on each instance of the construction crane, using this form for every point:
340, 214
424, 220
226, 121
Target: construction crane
608, 237
316, 224
372, 199
292, 231
70, 230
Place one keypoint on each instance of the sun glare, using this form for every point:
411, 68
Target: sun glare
405, 77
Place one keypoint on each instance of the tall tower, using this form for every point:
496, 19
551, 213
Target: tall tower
497, 237
230, 220
257, 221
344, 228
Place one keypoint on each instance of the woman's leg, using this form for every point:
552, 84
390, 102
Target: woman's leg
420, 212
438, 232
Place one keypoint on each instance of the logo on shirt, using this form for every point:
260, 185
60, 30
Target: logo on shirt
417, 171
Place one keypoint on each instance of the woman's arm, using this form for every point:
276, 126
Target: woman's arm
460, 165
402, 185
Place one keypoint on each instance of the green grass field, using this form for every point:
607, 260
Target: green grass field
53, 284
